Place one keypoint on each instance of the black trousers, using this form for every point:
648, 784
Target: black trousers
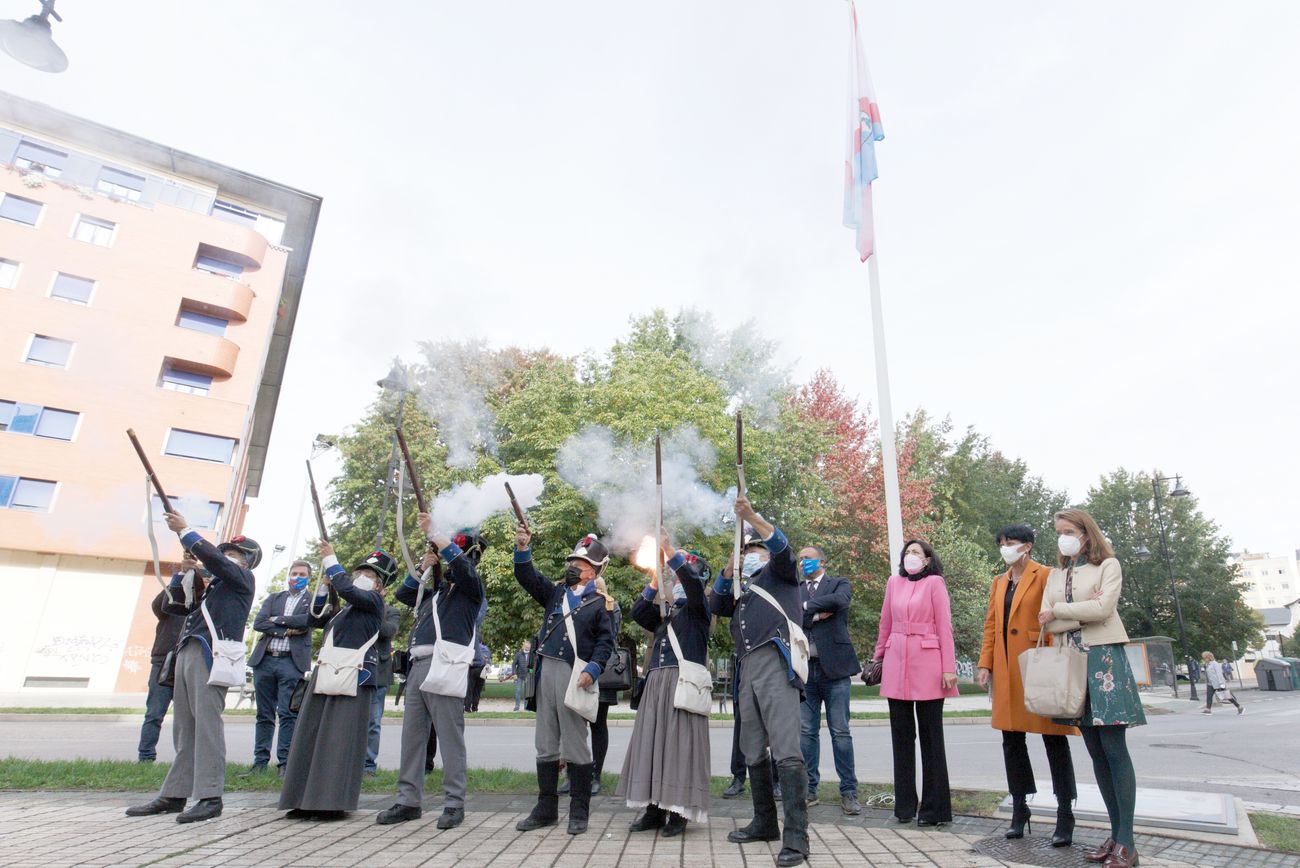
600, 739
1020, 774
909, 720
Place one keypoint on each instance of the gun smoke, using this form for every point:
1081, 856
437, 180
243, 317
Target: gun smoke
469, 503
740, 359
453, 386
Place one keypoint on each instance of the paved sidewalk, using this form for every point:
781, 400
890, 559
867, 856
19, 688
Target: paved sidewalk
88, 829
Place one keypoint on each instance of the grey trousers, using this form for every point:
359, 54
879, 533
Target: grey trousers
561, 732
446, 716
199, 736
768, 705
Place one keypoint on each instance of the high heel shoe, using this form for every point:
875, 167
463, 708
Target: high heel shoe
1063, 834
1019, 819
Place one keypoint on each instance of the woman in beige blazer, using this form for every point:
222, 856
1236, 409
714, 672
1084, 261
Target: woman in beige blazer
1080, 602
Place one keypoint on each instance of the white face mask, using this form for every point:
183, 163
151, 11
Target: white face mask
1011, 554
363, 583
1069, 545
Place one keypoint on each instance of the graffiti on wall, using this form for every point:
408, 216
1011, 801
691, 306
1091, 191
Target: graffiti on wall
80, 649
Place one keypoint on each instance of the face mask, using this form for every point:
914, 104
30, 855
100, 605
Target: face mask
1011, 554
297, 583
234, 558
810, 566
363, 583
572, 575
679, 594
913, 564
1069, 545
752, 563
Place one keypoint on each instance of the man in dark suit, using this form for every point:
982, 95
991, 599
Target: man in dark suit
831, 668
383, 680
280, 657
165, 636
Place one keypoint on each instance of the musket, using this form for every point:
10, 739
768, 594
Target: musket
661, 596
410, 472
514, 504
740, 492
148, 469
315, 501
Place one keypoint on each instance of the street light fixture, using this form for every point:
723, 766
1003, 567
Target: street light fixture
1143, 553
32, 41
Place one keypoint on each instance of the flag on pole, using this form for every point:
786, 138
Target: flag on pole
864, 131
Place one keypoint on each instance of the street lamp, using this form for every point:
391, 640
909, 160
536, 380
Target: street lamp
32, 41
1143, 553
394, 382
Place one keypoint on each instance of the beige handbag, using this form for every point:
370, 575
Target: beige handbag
694, 692
1055, 678
449, 665
585, 701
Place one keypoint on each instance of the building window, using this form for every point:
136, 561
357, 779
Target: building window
232, 213
220, 267
123, 185
20, 210
201, 322
177, 380
20, 418
96, 231
51, 352
69, 287
40, 159
197, 513
35, 495
8, 273
205, 447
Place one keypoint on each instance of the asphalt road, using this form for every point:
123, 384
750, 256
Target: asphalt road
1253, 756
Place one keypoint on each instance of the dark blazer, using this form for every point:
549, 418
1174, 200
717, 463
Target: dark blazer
458, 604
229, 595
835, 655
754, 622
591, 624
168, 631
387, 630
273, 621
354, 624
690, 620
521, 664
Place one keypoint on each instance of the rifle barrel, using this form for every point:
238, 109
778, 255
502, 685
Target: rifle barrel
514, 504
410, 472
148, 468
315, 500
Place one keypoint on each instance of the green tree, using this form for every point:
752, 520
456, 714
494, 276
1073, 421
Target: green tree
1214, 613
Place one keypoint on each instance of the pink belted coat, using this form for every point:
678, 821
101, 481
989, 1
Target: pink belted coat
915, 639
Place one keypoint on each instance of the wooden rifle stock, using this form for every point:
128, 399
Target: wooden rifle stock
315, 501
740, 492
662, 595
514, 504
410, 472
148, 469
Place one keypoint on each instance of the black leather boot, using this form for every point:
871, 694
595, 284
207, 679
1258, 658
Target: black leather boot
547, 810
1063, 834
737, 788
764, 826
675, 826
579, 797
652, 818
1019, 817
794, 783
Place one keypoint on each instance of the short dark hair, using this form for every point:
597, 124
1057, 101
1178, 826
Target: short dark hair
1021, 533
821, 552
934, 568
301, 563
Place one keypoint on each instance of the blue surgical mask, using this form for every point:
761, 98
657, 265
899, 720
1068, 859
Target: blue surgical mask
297, 583
752, 563
810, 566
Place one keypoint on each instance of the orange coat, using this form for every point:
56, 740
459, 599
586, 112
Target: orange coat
1003, 659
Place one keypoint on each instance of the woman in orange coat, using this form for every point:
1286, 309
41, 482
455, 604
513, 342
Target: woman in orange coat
1010, 628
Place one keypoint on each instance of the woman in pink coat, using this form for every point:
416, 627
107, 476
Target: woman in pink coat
919, 670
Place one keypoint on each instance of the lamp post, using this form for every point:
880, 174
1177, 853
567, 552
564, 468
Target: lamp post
1143, 553
394, 382
32, 41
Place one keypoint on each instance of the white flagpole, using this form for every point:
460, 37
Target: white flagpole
888, 449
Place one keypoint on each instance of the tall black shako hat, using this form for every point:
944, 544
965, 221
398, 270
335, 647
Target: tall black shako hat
470, 543
591, 550
251, 550
381, 563
752, 540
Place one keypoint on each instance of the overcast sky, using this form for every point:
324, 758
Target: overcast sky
1087, 215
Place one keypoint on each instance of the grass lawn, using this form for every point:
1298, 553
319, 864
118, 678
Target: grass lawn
118, 776
1277, 833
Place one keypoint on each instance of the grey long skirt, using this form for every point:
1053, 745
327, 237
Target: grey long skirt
328, 754
667, 761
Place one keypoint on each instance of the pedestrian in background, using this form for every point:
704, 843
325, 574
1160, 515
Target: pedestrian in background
1216, 684
521, 670
165, 636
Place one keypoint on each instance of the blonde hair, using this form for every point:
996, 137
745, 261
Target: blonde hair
1095, 547
1207, 656
603, 590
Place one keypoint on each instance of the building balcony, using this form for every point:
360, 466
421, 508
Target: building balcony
240, 245
203, 353
217, 296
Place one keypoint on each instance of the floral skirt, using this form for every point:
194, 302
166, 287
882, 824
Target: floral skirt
1113, 698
